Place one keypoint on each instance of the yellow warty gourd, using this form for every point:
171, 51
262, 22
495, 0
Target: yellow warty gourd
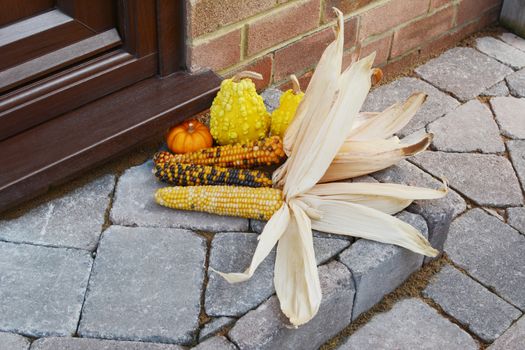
289, 101
238, 113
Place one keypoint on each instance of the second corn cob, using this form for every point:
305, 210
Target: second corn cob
246, 202
242, 155
192, 174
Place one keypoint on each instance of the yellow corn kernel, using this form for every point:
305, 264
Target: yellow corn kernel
241, 155
252, 203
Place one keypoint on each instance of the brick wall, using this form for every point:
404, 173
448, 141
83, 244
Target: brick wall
281, 37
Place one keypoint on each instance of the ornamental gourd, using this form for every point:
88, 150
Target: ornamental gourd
189, 136
238, 114
284, 114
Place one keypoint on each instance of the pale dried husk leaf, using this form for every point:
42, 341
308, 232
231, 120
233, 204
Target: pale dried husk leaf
324, 136
361, 221
390, 121
295, 272
322, 87
357, 158
388, 198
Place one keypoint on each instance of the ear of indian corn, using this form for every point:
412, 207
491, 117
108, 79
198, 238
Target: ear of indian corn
241, 155
252, 203
191, 175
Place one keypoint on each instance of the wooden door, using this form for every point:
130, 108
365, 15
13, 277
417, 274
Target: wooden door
70, 54
69, 67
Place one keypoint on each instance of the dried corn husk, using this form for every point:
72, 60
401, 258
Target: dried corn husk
329, 139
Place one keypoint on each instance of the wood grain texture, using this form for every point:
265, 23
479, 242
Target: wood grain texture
170, 15
50, 152
57, 59
48, 98
138, 26
31, 26
98, 15
14, 10
38, 35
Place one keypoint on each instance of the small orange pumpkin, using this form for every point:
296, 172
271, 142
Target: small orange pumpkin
189, 136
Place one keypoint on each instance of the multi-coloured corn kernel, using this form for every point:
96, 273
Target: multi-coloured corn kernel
252, 203
242, 155
192, 175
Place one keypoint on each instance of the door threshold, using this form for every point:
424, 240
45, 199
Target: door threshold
68, 145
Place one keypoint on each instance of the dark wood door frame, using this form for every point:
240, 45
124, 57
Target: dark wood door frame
136, 91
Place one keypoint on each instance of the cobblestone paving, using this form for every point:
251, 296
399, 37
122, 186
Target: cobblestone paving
104, 267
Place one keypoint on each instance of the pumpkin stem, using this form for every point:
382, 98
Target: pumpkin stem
191, 127
295, 84
246, 74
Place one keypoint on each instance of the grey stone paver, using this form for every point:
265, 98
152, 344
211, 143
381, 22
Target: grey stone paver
492, 252
464, 72
516, 218
484, 313
436, 105
134, 204
485, 178
379, 268
214, 326
364, 179
11, 341
145, 285
232, 252
516, 83
42, 289
501, 51
73, 220
513, 40
271, 98
510, 115
97, 344
439, 212
513, 339
517, 156
411, 324
499, 89
267, 328
468, 128
215, 343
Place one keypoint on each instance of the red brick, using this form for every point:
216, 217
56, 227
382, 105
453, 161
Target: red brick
472, 9
306, 52
418, 32
381, 19
262, 65
301, 55
346, 6
381, 47
451, 39
304, 80
217, 53
277, 27
439, 3
207, 16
